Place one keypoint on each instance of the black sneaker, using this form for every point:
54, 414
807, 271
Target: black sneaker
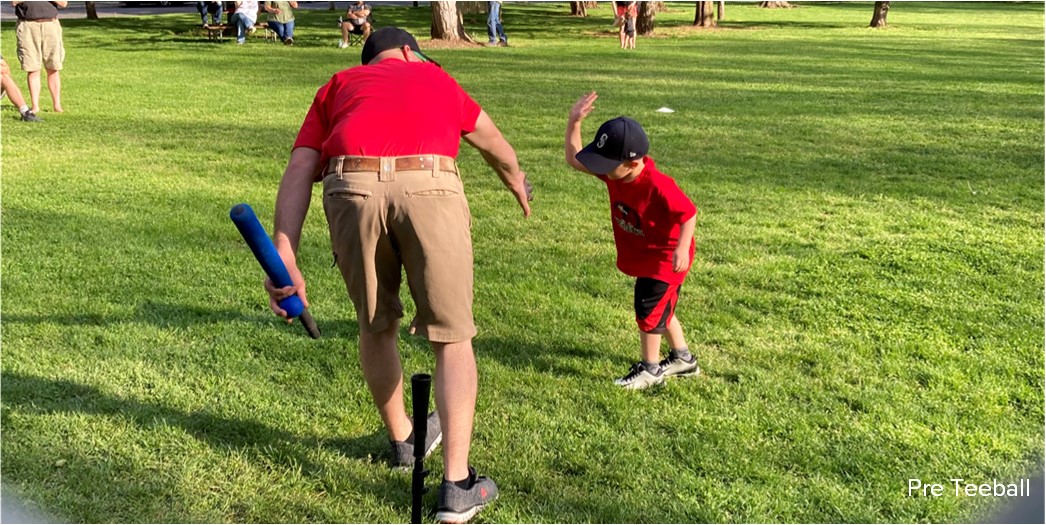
403, 451
29, 116
675, 366
458, 505
288, 41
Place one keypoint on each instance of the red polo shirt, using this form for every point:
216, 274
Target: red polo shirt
648, 214
389, 109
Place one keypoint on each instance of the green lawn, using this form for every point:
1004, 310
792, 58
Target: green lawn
867, 301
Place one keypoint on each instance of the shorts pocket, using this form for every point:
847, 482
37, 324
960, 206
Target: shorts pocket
348, 194
434, 192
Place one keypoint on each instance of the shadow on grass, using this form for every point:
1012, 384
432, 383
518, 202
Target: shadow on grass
162, 315
266, 444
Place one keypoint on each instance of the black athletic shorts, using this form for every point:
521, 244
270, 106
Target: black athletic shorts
655, 303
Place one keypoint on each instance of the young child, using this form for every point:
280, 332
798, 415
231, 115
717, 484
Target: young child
653, 223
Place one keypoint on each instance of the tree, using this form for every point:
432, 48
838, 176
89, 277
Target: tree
447, 23
92, 11
645, 18
879, 16
471, 8
581, 8
720, 10
704, 14
774, 5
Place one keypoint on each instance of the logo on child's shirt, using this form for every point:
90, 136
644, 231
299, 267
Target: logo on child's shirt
627, 219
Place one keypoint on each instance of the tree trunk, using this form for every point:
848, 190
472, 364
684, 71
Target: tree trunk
659, 7
774, 5
879, 16
720, 10
704, 14
447, 23
331, 6
578, 9
92, 12
645, 18
472, 8
415, 4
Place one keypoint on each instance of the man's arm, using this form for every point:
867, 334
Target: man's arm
572, 142
292, 204
499, 155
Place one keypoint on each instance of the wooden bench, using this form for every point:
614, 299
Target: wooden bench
217, 32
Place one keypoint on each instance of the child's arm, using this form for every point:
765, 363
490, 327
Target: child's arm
681, 257
572, 143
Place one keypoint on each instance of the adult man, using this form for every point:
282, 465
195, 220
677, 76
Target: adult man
40, 45
495, 31
356, 20
383, 137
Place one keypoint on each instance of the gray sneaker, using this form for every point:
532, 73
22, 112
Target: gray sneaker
403, 451
29, 116
639, 378
675, 366
458, 505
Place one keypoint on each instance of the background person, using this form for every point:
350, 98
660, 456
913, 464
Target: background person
8, 87
281, 20
356, 20
495, 31
40, 45
244, 18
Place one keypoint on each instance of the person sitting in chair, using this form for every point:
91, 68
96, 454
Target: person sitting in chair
355, 21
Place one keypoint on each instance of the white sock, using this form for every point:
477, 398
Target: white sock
23, 110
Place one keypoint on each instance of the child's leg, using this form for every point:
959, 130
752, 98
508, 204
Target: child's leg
676, 341
651, 347
680, 362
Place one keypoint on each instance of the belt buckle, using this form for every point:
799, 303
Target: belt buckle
387, 169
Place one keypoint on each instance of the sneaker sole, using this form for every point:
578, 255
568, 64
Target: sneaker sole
447, 516
634, 386
435, 443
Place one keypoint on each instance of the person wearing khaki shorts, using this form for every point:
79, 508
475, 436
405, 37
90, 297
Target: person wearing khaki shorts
40, 46
418, 220
383, 138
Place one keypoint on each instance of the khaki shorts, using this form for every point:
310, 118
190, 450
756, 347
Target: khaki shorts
40, 45
417, 220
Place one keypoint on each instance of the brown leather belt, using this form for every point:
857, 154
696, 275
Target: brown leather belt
350, 164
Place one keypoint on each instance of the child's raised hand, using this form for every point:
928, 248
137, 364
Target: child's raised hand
583, 106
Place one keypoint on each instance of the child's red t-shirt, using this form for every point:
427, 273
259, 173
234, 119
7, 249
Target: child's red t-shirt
647, 214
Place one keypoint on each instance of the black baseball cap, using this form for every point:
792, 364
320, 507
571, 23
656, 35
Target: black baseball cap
388, 38
617, 141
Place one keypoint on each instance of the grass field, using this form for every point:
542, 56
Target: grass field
867, 301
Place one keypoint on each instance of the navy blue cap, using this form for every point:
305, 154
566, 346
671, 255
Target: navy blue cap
618, 140
388, 38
